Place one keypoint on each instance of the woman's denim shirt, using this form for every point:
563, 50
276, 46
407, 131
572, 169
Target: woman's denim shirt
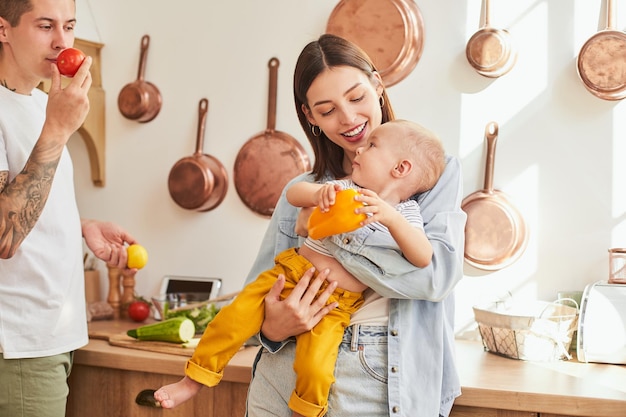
422, 379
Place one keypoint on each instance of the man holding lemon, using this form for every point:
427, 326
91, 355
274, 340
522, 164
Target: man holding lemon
42, 296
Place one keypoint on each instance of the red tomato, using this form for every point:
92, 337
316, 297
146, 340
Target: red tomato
69, 60
139, 310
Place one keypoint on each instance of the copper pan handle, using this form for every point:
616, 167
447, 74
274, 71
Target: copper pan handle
203, 109
491, 136
610, 16
487, 17
145, 42
271, 100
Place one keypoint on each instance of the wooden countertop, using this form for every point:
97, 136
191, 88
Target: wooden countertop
100, 353
487, 380
561, 387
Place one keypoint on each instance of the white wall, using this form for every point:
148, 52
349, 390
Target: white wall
557, 155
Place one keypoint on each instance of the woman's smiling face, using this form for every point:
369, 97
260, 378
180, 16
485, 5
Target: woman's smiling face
345, 104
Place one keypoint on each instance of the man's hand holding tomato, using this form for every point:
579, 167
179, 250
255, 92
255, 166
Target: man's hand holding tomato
67, 106
69, 61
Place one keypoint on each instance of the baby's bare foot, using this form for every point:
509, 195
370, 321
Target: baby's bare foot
169, 396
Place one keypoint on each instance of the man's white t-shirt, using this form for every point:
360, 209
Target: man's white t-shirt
42, 296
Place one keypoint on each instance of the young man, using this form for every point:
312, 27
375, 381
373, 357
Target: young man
42, 300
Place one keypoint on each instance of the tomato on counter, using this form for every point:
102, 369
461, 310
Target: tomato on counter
139, 310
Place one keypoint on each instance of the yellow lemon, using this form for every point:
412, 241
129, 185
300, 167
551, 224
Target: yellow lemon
137, 256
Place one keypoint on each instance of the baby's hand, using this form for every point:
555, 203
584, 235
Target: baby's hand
326, 196
377, 209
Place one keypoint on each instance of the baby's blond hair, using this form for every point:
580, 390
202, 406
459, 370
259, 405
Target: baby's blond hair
422, 147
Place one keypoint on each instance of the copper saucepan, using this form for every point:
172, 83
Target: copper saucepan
495, 232
391, 32
601, 63
140, 100
198, 182
269, 160
491, 51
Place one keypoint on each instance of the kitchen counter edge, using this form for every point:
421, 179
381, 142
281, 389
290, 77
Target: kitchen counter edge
488, 380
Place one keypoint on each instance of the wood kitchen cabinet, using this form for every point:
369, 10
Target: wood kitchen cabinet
464, 411
560, 415
106, 392
106, 379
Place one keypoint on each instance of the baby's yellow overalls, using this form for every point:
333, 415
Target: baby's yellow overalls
316, 350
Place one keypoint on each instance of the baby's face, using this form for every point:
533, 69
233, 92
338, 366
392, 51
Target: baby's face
374, 162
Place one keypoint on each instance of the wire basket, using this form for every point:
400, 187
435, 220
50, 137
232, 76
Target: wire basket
532, 331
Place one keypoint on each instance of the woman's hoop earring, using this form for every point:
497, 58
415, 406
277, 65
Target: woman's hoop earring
314, 132
381, 100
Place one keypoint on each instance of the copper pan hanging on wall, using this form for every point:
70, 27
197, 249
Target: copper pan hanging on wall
200, 181
268, 160
601, 63
140, 100
391, 32
495, 233
491, 51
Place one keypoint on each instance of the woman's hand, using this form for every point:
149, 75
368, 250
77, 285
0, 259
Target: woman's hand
300, 311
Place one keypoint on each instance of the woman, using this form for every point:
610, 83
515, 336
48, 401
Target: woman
398, 356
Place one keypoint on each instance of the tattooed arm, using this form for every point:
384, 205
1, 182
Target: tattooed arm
23, 198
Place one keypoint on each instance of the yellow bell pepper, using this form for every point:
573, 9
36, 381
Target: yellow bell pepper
341, 217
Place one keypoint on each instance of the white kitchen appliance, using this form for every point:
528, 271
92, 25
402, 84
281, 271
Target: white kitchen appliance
602, 324
204, 287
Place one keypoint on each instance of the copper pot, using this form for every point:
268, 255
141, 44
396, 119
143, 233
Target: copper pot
601, 63
391, 32
269, 160
491, 51
140, 100
495, 233
198, 182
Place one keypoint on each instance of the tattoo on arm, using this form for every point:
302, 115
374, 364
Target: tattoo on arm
22, 201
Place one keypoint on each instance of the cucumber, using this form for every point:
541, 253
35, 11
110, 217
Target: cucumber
175, 330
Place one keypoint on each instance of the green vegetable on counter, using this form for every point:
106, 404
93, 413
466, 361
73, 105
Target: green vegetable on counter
200, 316
175, 330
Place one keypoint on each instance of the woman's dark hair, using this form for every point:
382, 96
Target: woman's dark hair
327, 52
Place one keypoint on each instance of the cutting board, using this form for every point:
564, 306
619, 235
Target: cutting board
123, 340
